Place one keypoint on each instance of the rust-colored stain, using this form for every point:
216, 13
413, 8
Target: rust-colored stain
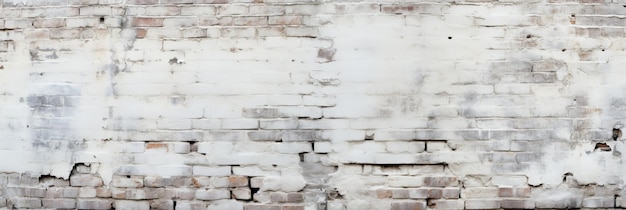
237, 181
156, 145
195, 182
140, 33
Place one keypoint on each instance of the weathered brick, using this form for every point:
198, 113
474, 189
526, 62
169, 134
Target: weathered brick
54, 192
440, 181
87, 192
266, 10
163, 11
93, 204
25, 192
238, 32
482, 204
195, 205
142, 2
451, 193
125, 204
162, 204
85, 180
211, 171
103, 192
19, 202
278, 197
383, 193
240, 124
215, 21
59, 203
70, 192
505, 192
198, 10
448, 204
17, 23
406, 205
250, 21
293, 136
81, 22
237, 181
242, 193
49, 23
180, 22
132, 182
399, 193
261, 207
144, 193
479, 192
83, 2
212, 1
285, 20
598, 202
422, 193
147, 22
194, 33
517, 204
180, 194
232, 10
295, 197
213, 194
95, 10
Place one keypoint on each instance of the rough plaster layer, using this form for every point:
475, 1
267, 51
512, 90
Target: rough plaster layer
298, 104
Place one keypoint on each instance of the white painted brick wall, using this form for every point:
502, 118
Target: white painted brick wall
212, 104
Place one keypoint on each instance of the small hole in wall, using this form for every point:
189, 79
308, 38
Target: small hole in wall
301, 156
573, 15
449, 37
563, 50
617, 134
101, 19
602, 50
603, 147
567, 175
529, 36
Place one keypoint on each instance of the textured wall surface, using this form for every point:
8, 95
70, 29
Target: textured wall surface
301, 104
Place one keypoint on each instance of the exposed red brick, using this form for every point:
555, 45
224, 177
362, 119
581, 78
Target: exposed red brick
383, 193
103, 192
153, 145
505, 192
293, 208
409, 205
147, 22
238, 181
295, 197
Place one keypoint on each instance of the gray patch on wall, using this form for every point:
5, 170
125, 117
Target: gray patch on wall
50, 124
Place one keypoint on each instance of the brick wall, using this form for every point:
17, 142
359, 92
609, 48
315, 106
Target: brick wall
310, 104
